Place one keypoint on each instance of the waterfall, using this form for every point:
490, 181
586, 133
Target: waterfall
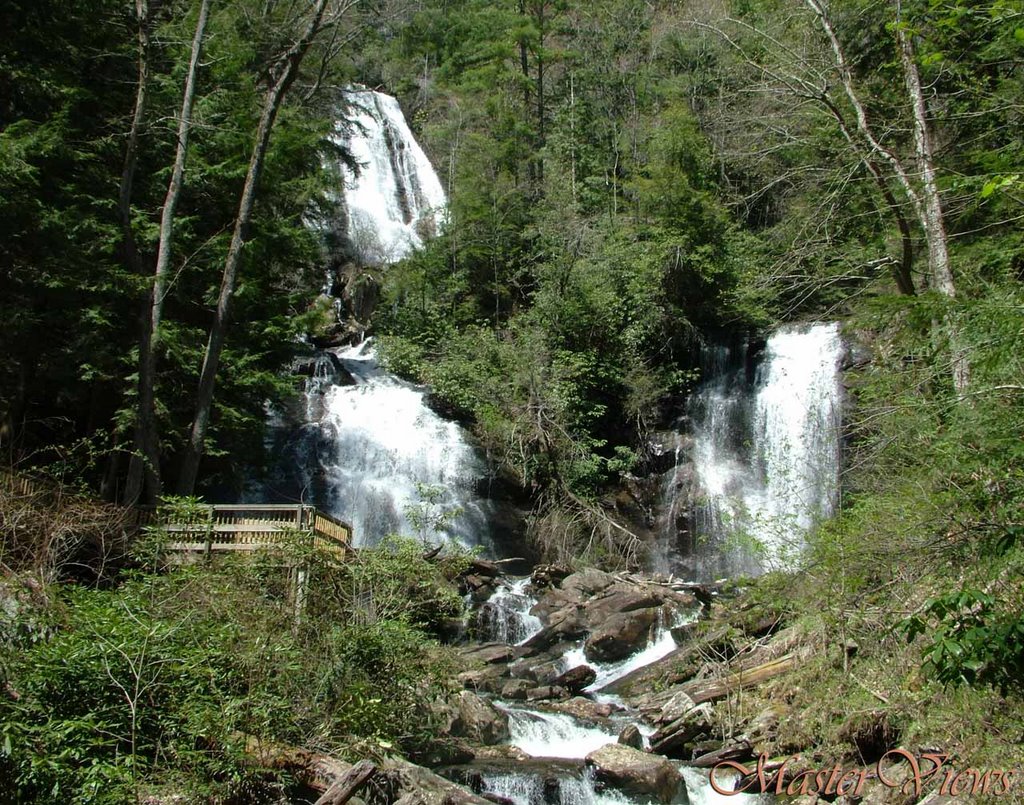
505, 616
371, 453
395, 198
362, 444
766, 453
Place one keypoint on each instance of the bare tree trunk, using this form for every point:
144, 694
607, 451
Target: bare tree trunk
147, 435
863, 126
282, 74
927, 204
933, 220
136, 469
902, 269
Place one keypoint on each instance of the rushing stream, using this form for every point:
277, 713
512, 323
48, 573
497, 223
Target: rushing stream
544, 734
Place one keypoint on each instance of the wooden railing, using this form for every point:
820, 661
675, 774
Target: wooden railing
252, 527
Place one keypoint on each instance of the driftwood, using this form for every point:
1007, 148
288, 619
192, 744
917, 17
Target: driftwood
346, 788
738, 752
708, 690
483, 567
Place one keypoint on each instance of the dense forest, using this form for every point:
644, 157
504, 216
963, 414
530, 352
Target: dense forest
625, 181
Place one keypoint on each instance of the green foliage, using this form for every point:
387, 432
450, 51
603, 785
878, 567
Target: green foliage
969, 640
69, 300
393, 582
429, 516
168, 678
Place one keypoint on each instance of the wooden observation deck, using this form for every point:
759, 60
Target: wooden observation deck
252, 527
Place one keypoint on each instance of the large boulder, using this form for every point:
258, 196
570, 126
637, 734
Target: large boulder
478, 721
515, 690
583, 708
563, 624
621, 635
557, 600
544, 576
575, 680
631, 737
634, 772
543, 692
488, 653
618, 599
398, 778
588, 582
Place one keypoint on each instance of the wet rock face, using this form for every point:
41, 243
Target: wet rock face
631, 737
634, 772
576, 679
479, 721
621, 635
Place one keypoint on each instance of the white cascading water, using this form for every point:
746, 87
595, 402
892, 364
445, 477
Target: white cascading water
370, 451
505, 617
396, 198
542, 734
533, 789
368, 448
660, 645
766, 458
700, 791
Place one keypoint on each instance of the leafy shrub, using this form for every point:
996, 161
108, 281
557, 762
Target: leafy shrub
969, 639
170, 677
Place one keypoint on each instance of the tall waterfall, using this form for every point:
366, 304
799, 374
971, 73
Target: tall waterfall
766, 452
362, 444
395, 198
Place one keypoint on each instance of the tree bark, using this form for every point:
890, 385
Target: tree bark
147, 434
901, 270
927, 203
136, 468
933, 219
283, 74
347, 787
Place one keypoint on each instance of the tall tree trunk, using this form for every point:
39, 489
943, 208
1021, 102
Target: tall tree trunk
136, 468
147, 434
927, 204
282, 75
934, 222
902, 269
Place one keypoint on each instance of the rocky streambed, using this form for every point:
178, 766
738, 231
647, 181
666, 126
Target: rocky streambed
555, 707
591, 688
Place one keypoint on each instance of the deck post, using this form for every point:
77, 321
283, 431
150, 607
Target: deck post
301, 581
209, 533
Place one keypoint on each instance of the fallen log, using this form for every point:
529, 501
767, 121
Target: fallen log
350, 783
709, 690
739, 752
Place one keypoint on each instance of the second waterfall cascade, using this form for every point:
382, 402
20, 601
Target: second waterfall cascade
765, 451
